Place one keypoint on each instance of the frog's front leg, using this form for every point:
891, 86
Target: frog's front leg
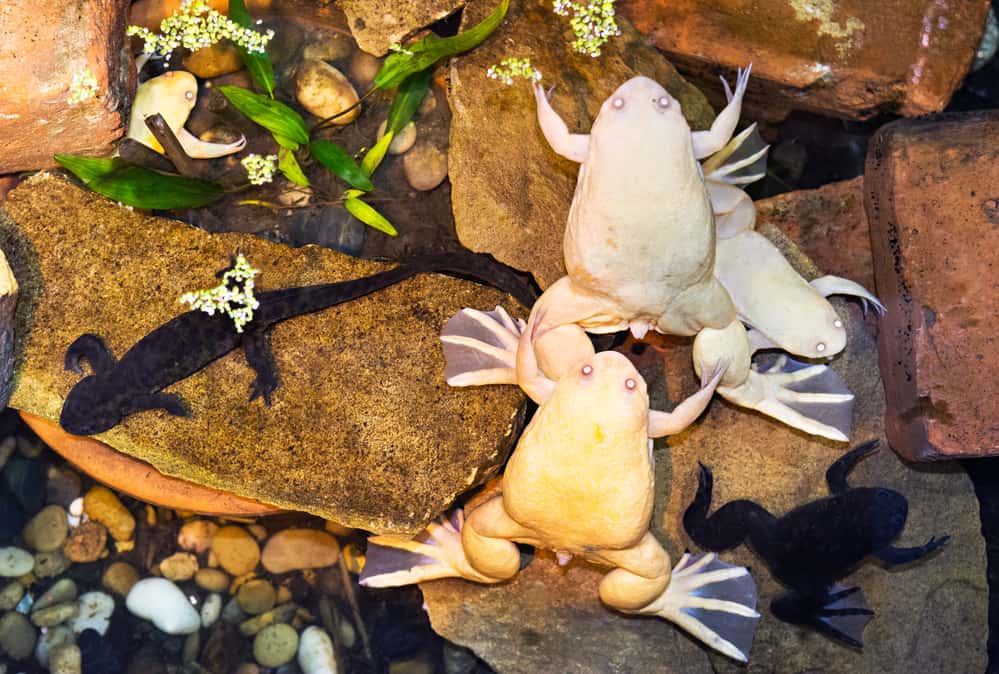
256, 347
713, 601
706, 143
837, 285
574, 146
669, 423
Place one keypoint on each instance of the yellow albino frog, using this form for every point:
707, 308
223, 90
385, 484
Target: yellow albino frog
580, 482
652, 244
173, 95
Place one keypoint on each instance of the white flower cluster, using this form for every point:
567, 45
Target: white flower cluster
507, 69
233, 297
196, 25
593, 23
260, 170
83, 87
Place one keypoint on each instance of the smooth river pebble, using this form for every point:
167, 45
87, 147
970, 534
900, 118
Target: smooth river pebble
162, 603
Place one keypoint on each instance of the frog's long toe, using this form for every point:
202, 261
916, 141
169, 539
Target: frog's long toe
480, 347
812, 398
714, 601
837, 285
200, 149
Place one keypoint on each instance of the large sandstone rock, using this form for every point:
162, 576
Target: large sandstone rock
848, 58
934, 213
43, 44
363, 430
376, 24
931, 615
510, 191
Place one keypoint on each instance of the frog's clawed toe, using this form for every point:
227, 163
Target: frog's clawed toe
263, 387
713, 601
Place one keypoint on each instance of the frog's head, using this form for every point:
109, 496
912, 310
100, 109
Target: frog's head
819, 338
641, 105
87, 411
605, 387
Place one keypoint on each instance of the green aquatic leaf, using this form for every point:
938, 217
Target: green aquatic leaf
288, 165
369, 216
407, 100
257, 63
338, 160
138, 186
273, 115
373, 157
424, 53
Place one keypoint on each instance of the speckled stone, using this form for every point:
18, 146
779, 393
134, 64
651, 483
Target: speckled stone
47, 530
119, 578
236, 550
375, 25
350, 453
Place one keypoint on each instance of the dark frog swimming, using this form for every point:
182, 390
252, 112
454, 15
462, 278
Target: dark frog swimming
814, 545
189, 342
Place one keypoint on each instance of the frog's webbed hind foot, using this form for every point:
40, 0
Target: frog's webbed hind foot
842, 616
894, 556
91, 348
837, 285
480, 347
713, 601
435, 553
811, 398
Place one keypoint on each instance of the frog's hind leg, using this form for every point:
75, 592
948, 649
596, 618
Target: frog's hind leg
837, 285
730, 525
841, 615
841, 468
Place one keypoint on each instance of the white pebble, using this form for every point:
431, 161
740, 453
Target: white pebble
95, 613
15, 562
162, 603
211, 609
315, 652
76, 507
50, 639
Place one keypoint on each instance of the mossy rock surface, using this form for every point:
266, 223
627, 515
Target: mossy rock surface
362, 429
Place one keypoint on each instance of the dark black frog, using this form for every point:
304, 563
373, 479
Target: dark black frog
814, 545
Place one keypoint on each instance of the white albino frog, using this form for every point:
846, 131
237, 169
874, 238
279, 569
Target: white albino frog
580, 482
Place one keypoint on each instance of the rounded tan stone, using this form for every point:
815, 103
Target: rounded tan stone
275, 645
87, 542
324, 91
425, 166
101, 504
296, 549
236, 550
196, 535
218, 59
256, 596
47, 530
212, 580
179, 566
119, 578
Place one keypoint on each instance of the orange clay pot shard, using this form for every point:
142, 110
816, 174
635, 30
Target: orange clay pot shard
139, 479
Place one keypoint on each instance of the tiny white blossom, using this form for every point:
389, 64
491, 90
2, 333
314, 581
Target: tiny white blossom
233, 296
83, 87
260, 170
196, 25
508, 68
593, 23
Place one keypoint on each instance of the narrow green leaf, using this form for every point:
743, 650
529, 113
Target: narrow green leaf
373, 157
273, 115
350, 194
369, 216
257, 63
336, 159
138, 186
288, 165
407, 100
286, 143
424, 53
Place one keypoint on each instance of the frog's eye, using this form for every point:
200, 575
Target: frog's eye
662, 102
820, 347
189, 95
630, 384
837, 323
587, 370
617, 103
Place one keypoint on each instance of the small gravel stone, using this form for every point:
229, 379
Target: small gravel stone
283, 595
330, 48
211, 609
62, 486
248, 668
102, 505
296, 549
425, 166
232, 614
315, 652
402, 141
324, 91
236, 550
212, 580
191, 647
95, 612
162, 603
275, 645
48, 564
10, 595
7, 447
364, 67
29, 448
17, 636
196, 536
66, 659
54, 615
61, 591
86, 543
119, 578
258, 531
279, 614
179, 566
53, 637
47, 530
218, 59
15, 562
256, 596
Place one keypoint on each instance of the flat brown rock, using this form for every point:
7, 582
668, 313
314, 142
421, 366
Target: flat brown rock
931, 615
849, 58
510, 191
43, 43
363, 430
376, 24
933, 204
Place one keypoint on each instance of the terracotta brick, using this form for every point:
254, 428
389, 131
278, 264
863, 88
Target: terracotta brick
42, 44
933, 203
849, 58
